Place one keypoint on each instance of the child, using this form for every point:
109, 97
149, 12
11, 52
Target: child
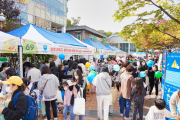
139, 93
2, 104
41, 105
114, 98
67, 100
158, 112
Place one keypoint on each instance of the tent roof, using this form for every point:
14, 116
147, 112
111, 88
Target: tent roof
110, 47
5, 36
103, 47
89, 46
65, 38
91, 43
117, 49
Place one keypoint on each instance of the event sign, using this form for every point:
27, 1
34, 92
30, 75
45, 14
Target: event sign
172, 81
9, 46
71, 50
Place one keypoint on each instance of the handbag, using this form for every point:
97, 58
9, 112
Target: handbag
79, 103
44, 87
59, 96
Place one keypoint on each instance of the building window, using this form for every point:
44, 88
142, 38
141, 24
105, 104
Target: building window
124, 47
93, 38
79, 36
132, 48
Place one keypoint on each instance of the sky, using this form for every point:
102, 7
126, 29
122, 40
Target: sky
97, 14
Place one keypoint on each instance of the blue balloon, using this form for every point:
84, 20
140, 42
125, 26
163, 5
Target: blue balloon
61, 56
150, 63
116, 68
142, 74
91, 68
90, 77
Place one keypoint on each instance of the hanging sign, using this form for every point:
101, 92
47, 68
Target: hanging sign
71, 50
9, 46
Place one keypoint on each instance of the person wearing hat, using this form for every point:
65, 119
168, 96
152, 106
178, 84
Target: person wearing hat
103, 83
14, 84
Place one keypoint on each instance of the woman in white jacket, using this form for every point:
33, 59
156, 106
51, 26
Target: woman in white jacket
48, 83
175, 100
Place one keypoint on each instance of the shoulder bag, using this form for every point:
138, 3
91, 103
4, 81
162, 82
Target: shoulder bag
44, 87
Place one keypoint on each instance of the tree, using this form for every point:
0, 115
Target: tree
74, 22
128, 9
9, 9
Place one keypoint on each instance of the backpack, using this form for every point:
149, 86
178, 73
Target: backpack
32, 109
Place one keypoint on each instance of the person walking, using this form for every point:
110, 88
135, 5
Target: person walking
78, 83
103, 83
67, 100
153, 81
48, 83
138, 92
127, 84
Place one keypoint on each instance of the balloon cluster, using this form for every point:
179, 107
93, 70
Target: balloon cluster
92, 74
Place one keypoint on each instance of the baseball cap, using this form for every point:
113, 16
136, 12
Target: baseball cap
14, 80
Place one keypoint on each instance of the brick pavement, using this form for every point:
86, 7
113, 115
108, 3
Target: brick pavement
91, 109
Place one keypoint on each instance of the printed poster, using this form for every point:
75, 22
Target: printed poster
172, 79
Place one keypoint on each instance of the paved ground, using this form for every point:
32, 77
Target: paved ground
91, 109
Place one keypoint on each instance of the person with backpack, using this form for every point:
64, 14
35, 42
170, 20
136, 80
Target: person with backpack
26, 87
17, 105
103, 93
77, 83
48, 85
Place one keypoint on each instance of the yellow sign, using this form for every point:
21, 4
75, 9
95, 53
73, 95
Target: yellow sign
23, 1
174, 65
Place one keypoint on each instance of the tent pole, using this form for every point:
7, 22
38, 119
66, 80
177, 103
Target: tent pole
21, 65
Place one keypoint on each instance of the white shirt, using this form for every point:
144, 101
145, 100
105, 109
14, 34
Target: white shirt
37, 93
156, 114
35, 74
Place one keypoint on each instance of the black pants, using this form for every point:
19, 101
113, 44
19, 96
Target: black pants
151, 86
139, 107
117, 85
53, 104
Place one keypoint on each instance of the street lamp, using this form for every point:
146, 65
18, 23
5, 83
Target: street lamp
2, 18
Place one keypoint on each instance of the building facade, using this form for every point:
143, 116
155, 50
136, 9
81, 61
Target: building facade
84, 32
125, 46
47, 14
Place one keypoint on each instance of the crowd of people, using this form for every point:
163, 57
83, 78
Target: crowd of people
70, 78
